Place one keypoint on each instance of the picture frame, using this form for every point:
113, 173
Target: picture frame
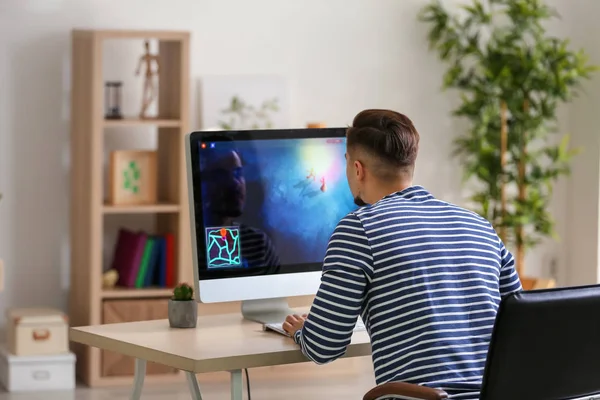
133, 176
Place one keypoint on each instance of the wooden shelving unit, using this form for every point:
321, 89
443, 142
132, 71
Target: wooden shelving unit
90, 304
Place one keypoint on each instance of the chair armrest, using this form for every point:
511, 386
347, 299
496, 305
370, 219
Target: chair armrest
408, 391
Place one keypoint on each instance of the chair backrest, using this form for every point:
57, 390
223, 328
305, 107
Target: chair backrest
545, 346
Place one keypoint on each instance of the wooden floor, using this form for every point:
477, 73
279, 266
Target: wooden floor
343, 379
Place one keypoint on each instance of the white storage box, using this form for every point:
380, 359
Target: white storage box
37, 373
36, 332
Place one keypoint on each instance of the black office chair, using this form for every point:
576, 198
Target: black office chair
545, 346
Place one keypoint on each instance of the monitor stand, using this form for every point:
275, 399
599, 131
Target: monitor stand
266, 311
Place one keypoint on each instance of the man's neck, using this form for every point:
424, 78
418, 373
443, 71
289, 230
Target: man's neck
382, 191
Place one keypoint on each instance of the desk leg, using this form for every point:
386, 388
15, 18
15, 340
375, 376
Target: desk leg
237, 386
138, 379
193, 384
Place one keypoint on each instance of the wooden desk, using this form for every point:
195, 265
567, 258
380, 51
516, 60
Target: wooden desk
219, 343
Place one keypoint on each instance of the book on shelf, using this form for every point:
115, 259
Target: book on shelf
144, 260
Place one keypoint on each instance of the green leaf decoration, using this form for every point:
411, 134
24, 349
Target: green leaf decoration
131, 177
241, 115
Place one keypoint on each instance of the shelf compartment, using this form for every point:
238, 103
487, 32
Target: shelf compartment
160, 208
134, 293
130, 122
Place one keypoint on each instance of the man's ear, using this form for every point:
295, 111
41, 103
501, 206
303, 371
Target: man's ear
359, 170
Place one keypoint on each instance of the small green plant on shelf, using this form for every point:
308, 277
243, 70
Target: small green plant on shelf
183, 292
241, 115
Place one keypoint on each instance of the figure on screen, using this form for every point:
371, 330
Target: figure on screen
230, 244
323, 186
311, 174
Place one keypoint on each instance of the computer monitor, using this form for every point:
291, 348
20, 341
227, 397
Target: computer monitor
263, 205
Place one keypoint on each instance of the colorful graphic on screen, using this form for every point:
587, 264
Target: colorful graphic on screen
286, 196
223, 247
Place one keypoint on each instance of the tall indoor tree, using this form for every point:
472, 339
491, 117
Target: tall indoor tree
512, 75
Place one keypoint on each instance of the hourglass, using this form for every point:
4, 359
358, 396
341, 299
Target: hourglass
112, 100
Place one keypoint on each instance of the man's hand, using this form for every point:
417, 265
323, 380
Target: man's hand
294, 323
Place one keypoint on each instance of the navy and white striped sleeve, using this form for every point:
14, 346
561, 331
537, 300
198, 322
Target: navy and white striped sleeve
509, 279
347, 269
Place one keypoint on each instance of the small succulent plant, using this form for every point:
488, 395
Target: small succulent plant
183, 292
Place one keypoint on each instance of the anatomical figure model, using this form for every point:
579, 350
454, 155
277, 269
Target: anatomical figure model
149, 94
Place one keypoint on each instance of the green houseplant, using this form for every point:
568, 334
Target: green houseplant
511, 75
183, 309
242, 115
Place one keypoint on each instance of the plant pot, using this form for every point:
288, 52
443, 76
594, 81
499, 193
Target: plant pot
183, 314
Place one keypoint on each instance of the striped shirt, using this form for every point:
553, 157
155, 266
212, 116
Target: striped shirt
426, 277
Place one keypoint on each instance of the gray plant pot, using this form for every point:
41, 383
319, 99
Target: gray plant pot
183, 314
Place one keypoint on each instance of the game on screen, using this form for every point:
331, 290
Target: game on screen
268, 204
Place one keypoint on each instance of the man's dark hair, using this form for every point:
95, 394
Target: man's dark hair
389, 138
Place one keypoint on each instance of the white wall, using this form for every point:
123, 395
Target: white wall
340, 56
584, 186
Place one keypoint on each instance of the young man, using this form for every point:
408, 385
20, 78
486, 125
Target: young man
425, 275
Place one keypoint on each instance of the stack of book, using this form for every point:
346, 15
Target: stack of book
144, 260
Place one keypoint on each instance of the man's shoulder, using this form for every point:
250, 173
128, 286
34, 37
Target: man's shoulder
398, 207
351, 221
383, 209
351, 229
465, 211
480, 221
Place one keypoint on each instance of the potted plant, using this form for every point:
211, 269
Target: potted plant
183, 309
512, 75
242, 115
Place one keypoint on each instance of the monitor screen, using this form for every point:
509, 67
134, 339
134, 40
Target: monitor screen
267, 202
